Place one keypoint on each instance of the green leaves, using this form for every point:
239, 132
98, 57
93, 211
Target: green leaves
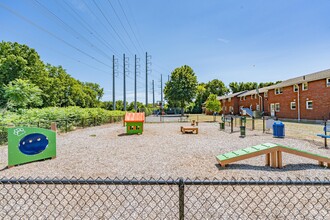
22, 94
212, 103
182, 86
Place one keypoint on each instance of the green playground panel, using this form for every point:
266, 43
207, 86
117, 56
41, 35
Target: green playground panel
306, 152
248, 150
17, 138
134, 127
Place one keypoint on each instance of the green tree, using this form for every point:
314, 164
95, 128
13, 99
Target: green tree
212, 104
216, 87
22, 93
182, 86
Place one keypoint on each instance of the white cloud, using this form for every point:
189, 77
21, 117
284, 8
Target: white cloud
223, 40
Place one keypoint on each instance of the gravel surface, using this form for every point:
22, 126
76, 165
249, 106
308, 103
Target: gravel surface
162, 151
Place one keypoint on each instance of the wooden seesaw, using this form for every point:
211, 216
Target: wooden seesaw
273, 154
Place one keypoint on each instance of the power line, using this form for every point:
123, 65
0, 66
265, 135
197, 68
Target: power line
50, 33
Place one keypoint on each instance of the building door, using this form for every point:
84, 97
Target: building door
272, 109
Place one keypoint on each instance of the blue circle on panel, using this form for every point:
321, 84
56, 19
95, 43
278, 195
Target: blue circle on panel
33, 144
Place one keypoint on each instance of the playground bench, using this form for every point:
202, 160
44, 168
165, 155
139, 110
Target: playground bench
189, 130
326, 129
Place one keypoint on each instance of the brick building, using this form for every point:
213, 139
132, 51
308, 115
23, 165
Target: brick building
302, 98
230, 103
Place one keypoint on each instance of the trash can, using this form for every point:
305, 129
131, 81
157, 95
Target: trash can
222, 126
242, 129
278, 129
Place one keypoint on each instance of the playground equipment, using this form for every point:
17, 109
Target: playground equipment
326, 129
30, 144
273, 154
243, 126
134, 123
189, 130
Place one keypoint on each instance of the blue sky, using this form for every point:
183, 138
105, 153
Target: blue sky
257, 41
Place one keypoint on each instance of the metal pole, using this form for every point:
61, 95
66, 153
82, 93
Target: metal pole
124, 62
263, 124
113, 83
135, 105
231, 125
146, 79
252, 123
181, 199
153, 93
161, 92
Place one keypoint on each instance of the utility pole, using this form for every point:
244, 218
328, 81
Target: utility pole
113, 83
148, 63
135, 105
161, 92
153, 93
146, 79
124, 62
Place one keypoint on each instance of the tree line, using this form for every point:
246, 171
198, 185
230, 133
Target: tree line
27, 82
184, 91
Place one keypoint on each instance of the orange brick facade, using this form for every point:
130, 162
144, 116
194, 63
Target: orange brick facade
230, 106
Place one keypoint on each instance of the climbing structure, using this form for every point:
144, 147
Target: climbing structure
273, 154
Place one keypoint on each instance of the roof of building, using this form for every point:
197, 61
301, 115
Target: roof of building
134, 117
301, 79
230, 95
254, 91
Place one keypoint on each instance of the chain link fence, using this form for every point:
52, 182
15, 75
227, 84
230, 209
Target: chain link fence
164, 199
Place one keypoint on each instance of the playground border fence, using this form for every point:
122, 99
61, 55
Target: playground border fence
164, 199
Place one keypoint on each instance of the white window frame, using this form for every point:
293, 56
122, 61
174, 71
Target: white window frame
252, 96
279, 107
303, 86
229, 99
243, 97
265, 94
255, 96
295, 106
294, 88
278, 91
257, 107
307, 107
327, 81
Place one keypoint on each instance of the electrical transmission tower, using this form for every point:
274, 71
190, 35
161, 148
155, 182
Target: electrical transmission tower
114, 73
125, 69
148, 70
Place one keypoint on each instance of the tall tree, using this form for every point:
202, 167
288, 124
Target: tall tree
216, 87
182, 86
212, 104
22, 93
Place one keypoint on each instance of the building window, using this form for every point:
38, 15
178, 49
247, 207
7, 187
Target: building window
305, 86
251, 96
293, 105
229, 99
295, 88
309, 104
278, 91
255, 96
258, 107
251, 106
240, 98
277, 107
231, 109
244, 98
266, 94
328, 82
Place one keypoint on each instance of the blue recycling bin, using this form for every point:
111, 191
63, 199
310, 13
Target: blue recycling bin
278, 129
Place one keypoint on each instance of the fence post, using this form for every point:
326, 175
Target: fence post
252, 123
181, 199
263, 124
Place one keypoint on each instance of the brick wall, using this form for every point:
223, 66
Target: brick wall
226, 105
317, 92
250, 102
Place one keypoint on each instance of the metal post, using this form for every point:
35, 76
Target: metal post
231, 125
252, 123
325, 133
113, 83
161, 93
135, 105
146, 79
263, 124
153, 93
124, 62
181, 199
